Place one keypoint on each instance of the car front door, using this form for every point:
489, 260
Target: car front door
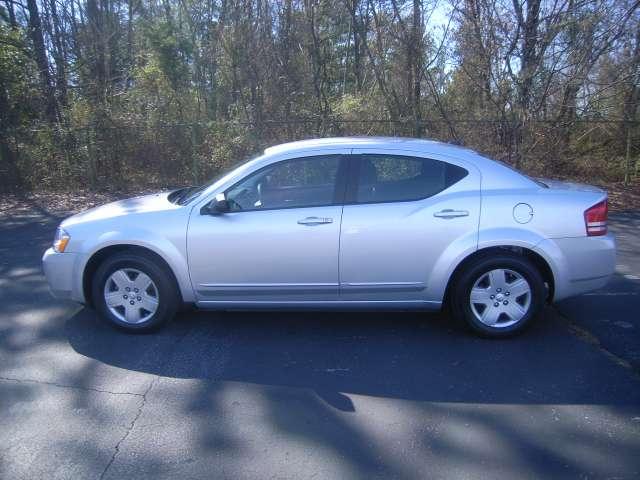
402, 212
279, 241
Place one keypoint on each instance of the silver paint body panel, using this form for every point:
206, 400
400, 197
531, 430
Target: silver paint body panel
384, 245
265, 255
396, 255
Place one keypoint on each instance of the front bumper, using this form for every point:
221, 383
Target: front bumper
60, 271
580, 264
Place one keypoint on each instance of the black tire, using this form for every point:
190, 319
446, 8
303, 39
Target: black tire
460, 293
167, 295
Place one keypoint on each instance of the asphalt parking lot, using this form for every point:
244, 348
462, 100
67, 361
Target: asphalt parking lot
314, 395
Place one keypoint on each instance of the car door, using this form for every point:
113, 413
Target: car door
280, 240
402, 212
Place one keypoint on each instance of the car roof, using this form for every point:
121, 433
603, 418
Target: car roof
400, 143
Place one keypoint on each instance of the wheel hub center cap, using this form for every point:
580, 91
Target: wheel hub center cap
499, 297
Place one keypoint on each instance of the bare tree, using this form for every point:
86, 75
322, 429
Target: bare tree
40, 54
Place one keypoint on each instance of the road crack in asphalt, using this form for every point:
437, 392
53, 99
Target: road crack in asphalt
61, 385
128, 430
143, 402
590, 338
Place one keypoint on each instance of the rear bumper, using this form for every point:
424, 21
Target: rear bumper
60, 271
580, 264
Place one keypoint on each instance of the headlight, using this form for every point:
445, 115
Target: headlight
60, 240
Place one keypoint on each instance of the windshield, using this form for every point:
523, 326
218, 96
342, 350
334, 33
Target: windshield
184, 195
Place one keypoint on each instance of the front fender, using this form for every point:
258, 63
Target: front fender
174, 255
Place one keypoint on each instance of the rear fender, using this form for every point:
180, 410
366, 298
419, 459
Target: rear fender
496, 237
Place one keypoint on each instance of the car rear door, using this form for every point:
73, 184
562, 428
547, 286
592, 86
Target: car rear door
404, 213
280, 241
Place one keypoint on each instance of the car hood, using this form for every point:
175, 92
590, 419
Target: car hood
145, 203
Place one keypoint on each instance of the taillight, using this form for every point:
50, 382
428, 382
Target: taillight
595, 219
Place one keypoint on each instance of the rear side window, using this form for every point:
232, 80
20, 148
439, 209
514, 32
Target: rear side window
394, 178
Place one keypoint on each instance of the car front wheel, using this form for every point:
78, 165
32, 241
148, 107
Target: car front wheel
498, 295
133, 292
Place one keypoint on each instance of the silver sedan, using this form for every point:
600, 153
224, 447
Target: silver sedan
342, 223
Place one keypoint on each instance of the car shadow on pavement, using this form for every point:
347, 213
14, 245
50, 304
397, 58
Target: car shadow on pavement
412, 356
447, 401
282, 395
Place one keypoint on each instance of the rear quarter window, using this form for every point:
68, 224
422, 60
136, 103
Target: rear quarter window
394, 178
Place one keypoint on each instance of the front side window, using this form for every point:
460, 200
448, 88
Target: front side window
394, 178
296, 183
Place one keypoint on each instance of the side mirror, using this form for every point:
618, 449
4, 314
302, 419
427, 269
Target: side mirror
217, 206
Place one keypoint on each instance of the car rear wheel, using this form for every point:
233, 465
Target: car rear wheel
498, 295
134, 293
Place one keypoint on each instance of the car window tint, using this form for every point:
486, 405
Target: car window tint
304, 182
393, 178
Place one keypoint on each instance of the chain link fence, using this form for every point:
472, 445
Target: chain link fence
165, 154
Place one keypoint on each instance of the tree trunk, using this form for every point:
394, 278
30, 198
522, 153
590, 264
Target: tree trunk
12, 14
11, 177
417, 51
59, 55
35, 33
631, 101
529, 57
357, 53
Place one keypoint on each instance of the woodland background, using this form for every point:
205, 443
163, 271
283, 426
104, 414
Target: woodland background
110, 94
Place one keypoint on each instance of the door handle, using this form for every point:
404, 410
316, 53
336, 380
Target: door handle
315, 221
450, 213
